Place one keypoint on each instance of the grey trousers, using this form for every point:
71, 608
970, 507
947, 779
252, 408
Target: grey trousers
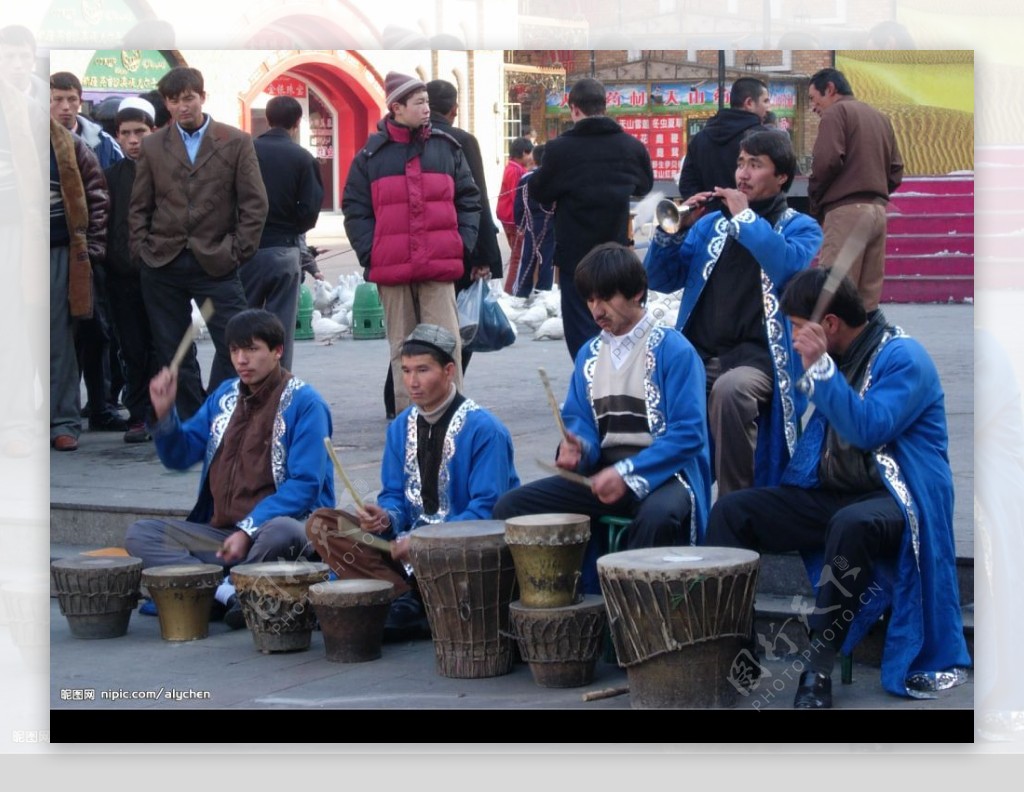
271, 280
159, 542
405, 307
64, 393
734, 402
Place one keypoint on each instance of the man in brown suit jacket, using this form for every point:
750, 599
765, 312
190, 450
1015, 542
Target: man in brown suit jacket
197, 212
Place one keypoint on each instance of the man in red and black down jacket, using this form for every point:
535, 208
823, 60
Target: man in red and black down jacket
411, 211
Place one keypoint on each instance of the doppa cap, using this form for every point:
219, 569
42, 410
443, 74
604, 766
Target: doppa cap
434, 336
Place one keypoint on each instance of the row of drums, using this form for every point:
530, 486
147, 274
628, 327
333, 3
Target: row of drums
677, 617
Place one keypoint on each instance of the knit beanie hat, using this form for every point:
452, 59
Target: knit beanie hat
399, 86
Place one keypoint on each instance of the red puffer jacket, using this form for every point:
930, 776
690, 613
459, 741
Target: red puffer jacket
411, 206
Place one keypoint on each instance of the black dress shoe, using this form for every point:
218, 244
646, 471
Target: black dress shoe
407, 619
814, 691
234, 617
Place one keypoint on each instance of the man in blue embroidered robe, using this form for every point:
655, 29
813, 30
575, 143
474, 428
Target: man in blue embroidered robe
870, 484
732, 266
446, 459
260, 437
635, 421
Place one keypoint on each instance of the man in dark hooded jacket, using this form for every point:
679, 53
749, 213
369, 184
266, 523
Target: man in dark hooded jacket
711, 154
591, 170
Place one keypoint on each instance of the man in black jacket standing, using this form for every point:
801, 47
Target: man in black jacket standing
712, 153
591, 170
295, 190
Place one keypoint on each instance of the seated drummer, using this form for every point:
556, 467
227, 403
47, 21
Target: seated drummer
635, 417
260, 437
869, 479
446, 459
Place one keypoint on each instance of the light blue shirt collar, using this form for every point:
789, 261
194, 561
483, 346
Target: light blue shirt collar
193, 140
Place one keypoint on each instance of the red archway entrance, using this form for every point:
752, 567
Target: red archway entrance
344, 83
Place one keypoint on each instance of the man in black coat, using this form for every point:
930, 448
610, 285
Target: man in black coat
591, 171
295, 190
712, 153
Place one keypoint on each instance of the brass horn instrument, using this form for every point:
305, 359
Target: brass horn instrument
669, 214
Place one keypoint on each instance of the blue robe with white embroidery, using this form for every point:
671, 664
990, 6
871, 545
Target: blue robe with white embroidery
900, 415
676, 417
477, 467
781, 251
302, 472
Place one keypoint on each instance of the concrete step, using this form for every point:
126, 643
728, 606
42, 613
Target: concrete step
784, 595
937, 185
935, 265
928, 289
917, 244
781, 630
939, 224
909, 202
98, 527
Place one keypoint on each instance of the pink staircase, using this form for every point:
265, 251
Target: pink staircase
930, 243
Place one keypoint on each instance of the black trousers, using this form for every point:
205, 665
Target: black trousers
131, 327
853, 529
661, 519
168, 292
92, 346
577, 321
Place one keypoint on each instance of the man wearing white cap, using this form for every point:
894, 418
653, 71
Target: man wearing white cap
412, 210
446, 459
134, 122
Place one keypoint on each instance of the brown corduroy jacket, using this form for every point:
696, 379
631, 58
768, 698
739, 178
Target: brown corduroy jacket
216, 206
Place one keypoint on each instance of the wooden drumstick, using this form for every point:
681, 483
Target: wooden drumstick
205, 311
605, 693
572, 476
359, 535
341, 473
554, 403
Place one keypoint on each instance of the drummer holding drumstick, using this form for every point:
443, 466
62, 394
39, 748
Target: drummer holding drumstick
258, 482
446, 459
635, 421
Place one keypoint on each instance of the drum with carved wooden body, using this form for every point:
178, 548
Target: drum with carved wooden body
679, 619
467, 578
275, 601
183, 594
97, 593
561, 644
548, 554
352, 615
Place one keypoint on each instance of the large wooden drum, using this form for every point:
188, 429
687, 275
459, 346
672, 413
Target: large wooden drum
562, 644
679, 618
467, 578
275, 602
97, 593
183, 594
352, 615
548, 554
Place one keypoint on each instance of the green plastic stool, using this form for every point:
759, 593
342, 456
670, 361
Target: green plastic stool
616, 531
616, 534
304, 318
367, 313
